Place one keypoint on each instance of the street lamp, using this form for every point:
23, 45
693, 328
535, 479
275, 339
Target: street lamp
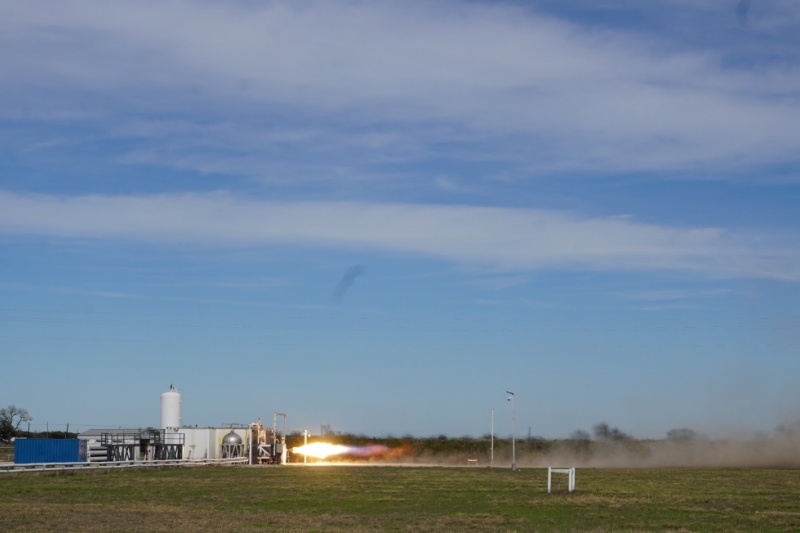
491, 457
513, 399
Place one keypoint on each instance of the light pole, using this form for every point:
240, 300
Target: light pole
491, 457
513, 399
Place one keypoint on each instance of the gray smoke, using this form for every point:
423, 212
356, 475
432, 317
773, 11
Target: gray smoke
346, 282
742, 8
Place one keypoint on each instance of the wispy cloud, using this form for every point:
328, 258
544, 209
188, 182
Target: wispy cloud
71, 290
497, 238
678, 294
497, 282
512, 82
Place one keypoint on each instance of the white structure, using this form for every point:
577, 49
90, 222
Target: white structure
200, 442
569, 471
171, 410
207, 443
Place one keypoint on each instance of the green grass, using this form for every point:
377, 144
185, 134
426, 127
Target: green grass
347, 498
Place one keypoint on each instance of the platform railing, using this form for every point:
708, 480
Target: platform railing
55, 467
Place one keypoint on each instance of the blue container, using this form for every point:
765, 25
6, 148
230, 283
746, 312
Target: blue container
28, 451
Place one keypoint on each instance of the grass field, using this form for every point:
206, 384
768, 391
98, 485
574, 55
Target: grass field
344, 498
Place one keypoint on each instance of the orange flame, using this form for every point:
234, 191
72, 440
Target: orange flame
321, 450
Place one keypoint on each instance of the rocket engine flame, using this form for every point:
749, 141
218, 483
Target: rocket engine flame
323, 450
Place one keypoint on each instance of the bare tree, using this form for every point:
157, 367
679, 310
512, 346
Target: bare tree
791, 429
681, 435
10, 419
603, 431
580, 434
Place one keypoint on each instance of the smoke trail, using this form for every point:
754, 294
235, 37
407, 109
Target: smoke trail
741, 12
347, 280
369, 451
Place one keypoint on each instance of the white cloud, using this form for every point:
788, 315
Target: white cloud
569, 96
496, 238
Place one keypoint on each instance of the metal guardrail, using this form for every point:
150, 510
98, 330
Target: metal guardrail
56, 467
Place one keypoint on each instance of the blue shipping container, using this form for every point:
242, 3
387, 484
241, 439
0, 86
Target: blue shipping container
28, 451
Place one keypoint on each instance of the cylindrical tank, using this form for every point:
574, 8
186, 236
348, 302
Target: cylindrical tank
171, 409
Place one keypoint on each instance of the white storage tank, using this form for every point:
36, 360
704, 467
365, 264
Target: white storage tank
171, 409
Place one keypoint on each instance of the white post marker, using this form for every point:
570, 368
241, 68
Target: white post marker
513, 399
570, 473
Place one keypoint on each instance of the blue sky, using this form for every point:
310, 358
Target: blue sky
381, 216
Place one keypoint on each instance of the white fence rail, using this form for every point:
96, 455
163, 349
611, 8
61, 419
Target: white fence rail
55, 467
570, 480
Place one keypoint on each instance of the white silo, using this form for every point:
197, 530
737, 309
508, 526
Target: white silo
171, 409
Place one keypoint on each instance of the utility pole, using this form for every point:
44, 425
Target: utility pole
491, 457
513, 399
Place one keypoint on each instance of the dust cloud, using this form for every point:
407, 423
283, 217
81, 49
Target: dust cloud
682, 448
